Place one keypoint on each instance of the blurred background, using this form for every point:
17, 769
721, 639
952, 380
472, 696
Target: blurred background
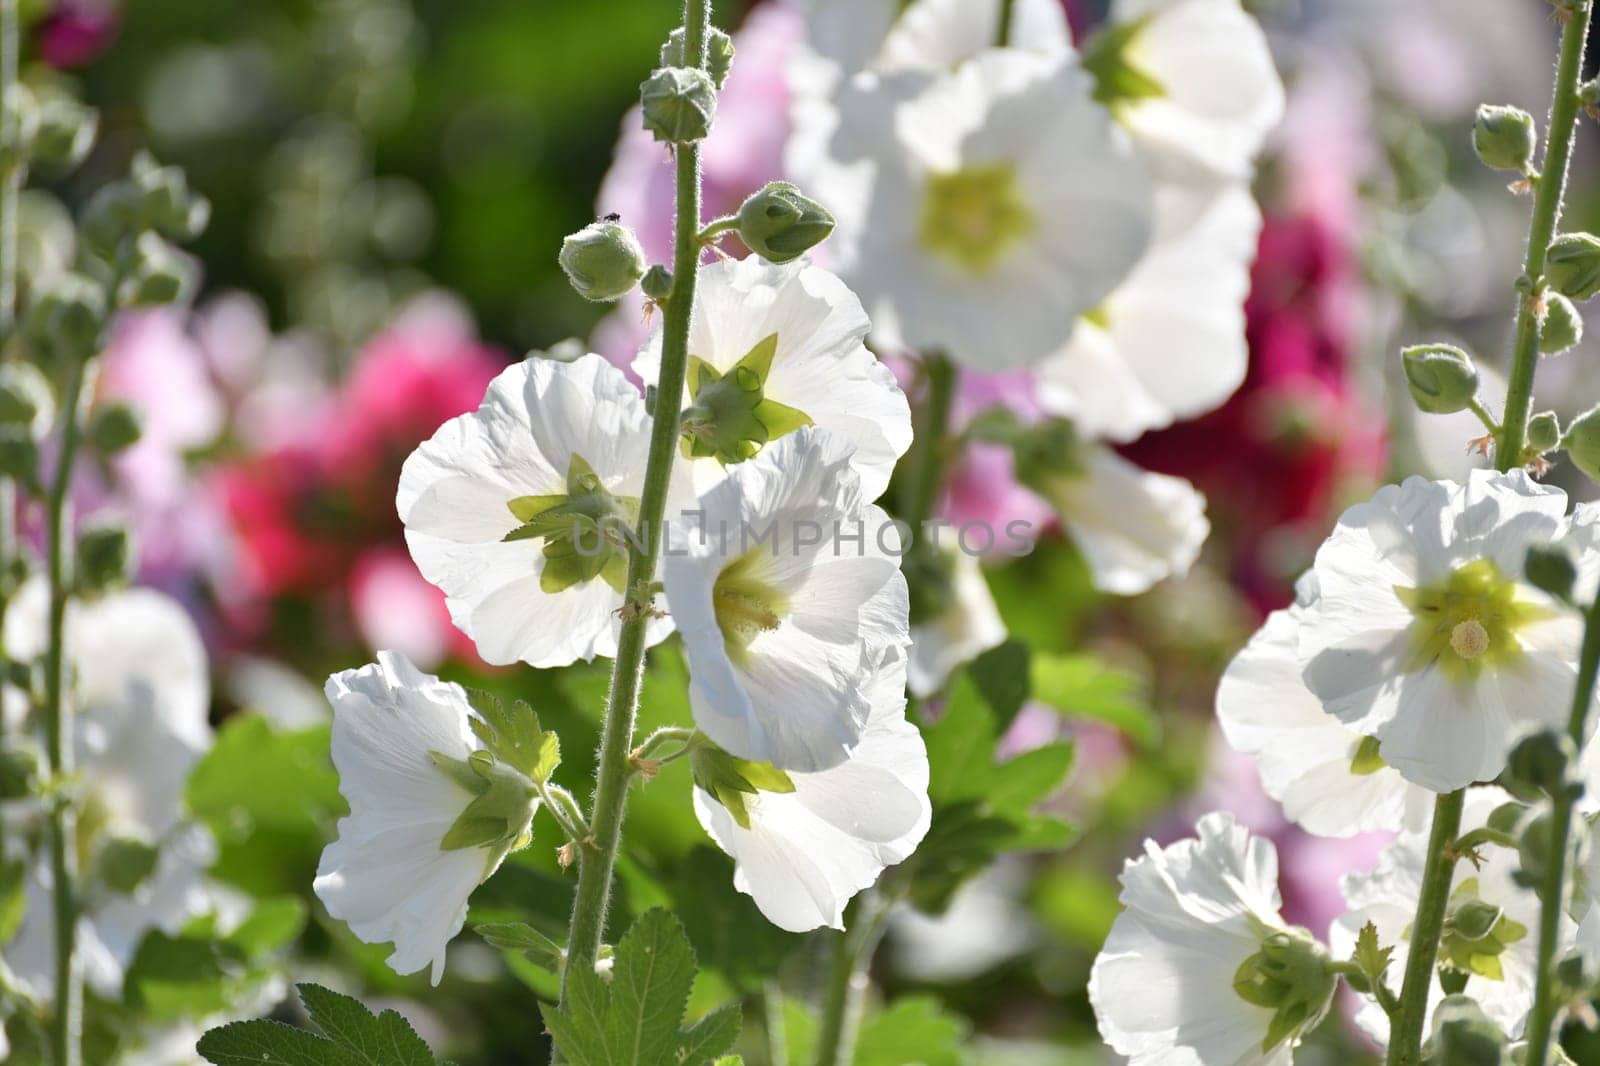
391, 180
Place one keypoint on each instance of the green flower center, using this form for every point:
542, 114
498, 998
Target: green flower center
585, 530
974, 216
1291, 976
729, 417
1468, 621
746, 603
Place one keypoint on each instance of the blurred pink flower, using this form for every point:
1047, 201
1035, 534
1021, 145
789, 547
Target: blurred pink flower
76, 32
396, 609
982, 485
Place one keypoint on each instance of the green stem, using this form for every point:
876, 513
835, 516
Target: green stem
1405, 1037
718, 227
10, 196
613, 771
66, 1029
1484, 416
1541, 1023
847, 980
777, 1031
1547, 206
927, 475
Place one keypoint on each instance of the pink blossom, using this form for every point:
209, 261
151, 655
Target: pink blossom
76, 32
395, 608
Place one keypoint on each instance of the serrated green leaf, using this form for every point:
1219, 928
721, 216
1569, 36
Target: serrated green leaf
1081, 686
637, 1018
354, 1036
512, 734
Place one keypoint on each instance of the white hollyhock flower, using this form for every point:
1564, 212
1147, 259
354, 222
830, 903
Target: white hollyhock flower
1491, 929
1192, 79
1134, 527
979, 212
504, 510
773, 348
788, 593
1169, 343
1329, 778
968, 625
404, 747
803, 844
1200, 967
1424, 633
141, 693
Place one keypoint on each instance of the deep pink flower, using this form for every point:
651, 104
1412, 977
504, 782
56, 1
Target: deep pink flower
76, 32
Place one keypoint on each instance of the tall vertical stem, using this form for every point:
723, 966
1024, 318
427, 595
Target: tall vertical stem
1405, 1036
598, 856
846, 988
1548, 198
66, 1030
10, 196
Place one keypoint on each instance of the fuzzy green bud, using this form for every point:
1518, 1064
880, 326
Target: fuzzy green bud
657, 284
26, 401
1562, 326
114, 428
1504, 137
166, 204
160, 275
1540, 763
780, 223
603, 260
1582, 442
19, 111
1573, 265
105, 558
719, 54
65, 133
1576, 974
1551, 568
1441, 378
19, 770
1463, 1035
66, 318
680, 104
1544, 432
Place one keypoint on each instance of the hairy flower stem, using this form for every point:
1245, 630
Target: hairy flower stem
10, 196
1547, 204
66, 1028
847, 980
1542, 1021
598, 855
927, 473
1405, 1037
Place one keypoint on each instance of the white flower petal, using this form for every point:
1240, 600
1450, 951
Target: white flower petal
970, 626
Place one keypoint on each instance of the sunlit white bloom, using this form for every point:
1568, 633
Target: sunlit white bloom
141, 695
1499, 966
505, 509
986, 923
967, 625
773, 348
1169, 343
1329, 778
942, 34
1134, 527
802, 854
979, 212
1186, 975
389, 876
1424, 633
1195, 83
788, 593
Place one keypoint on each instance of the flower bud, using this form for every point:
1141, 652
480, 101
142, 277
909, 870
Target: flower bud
1544, 432
67, 318
1441, 377
779, 223
26, 402
1463, 1035
1576, 973
1582, 442
1504, 137
160, 274
657, 284
124, 863
1474, 919
165, 202
680, 103
1539, 764
719, 54
604, 261
1562, 326
19, 769
19, 457
114, 428
1573, 265
65, 133
19, 111
105, 558
111, 215
1551, 568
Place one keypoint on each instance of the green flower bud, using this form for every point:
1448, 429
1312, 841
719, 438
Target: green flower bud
779, 223
19, 770
1474, 919
65, 132
1539, 764
160, 275
1544, 432
124, 863
1573, 265
26, 401
1551, 568
1504, 137
719, 53
680, 103
67, 318
18, 111
1463, 1035
1576, 973
657, 284
114, 428
1441, 377
112, 215
603, 260
165, 202
1582, 442
105, 558
1561, 327
1507, 817
1535, 850
19, 457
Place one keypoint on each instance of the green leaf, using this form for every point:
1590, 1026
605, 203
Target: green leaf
13, 898
1081, 686
637, 1018
513, 735
272, 926
1002, 677
523, 938
916, 1029
354, 1036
